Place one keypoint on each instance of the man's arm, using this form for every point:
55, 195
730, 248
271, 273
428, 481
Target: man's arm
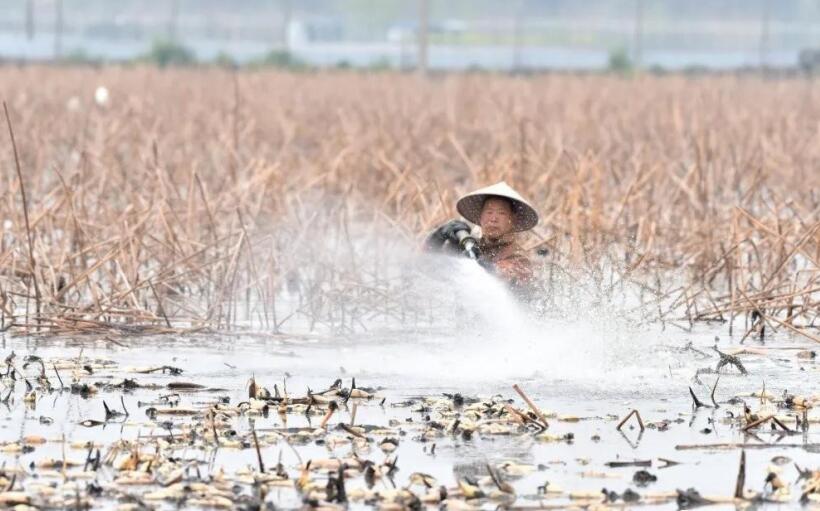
443, 238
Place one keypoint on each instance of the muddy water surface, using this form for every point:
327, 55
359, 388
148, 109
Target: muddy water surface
587, 403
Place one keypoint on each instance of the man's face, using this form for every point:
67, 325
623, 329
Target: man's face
496, 218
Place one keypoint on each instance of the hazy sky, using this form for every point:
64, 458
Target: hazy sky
247, 28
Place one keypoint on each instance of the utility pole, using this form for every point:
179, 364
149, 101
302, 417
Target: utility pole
58, 29
30, 19
763, 47
516, 37
287, 12
173, 21
638, 50
424, 8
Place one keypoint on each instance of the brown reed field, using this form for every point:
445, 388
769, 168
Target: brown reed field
194, 198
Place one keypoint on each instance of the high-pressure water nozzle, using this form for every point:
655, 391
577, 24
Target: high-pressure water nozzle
467, 244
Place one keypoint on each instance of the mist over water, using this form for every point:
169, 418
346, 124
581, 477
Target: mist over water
435, 321
482, 334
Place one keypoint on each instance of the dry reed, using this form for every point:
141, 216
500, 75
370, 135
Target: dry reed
196, 198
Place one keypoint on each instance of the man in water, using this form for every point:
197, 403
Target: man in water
500, 212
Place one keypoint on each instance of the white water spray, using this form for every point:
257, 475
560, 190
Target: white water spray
489, 336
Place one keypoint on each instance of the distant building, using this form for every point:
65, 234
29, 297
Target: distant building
314, 30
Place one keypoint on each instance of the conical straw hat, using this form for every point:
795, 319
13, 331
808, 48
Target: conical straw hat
524, 215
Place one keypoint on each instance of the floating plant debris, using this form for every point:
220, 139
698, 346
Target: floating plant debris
338, 455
